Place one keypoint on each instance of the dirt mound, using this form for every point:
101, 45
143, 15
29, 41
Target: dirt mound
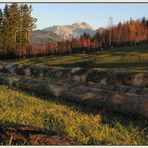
26, 135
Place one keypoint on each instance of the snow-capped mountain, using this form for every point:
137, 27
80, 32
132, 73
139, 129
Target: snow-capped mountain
72, 31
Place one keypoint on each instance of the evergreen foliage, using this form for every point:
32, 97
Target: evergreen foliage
15, 24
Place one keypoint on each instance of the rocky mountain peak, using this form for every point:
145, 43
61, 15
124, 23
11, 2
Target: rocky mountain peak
72, 31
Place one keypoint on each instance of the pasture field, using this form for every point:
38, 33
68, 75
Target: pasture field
134, 58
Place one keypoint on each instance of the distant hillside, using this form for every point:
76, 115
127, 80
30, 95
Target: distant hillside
72, 31
41, 37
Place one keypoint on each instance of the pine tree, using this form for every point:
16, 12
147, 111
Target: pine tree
11, 26
1, 16
1, 32
17, 23
28, 24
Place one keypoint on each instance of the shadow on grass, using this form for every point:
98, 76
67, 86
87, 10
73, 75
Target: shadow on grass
90, 64
18, 134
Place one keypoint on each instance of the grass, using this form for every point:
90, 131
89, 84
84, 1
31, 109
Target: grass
133, 58
88, 126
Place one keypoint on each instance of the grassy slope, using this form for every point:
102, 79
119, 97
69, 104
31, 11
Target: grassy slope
133, 58
88, 126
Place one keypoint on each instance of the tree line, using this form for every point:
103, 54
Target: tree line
128, 33
16, 23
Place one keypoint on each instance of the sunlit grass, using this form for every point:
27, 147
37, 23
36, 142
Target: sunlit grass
88, 126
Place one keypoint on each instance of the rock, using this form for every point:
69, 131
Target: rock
79, 74
92, 99
66, 78
75, 69
83, 78
20, 66
117, 91
27, 72
11, 68
76, 78
1, 67
41, 75
139, 80
103, 81
56, 91
59, 74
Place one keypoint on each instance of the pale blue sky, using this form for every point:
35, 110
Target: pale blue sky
96, 14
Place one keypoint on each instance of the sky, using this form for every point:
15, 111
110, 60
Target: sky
95, 14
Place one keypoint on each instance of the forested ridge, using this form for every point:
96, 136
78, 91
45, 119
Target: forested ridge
16, 23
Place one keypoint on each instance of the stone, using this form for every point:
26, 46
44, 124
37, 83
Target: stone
27, 72
59, 74
116, 91
76, 78
1, 67
83, 78
79, 74
126, 103
139, 80
75, 69
103, 81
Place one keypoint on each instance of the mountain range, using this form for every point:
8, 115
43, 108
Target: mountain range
59, 33
72, 31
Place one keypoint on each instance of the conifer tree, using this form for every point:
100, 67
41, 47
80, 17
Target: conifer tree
17, 23
28, 24
11, 25
1, 33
